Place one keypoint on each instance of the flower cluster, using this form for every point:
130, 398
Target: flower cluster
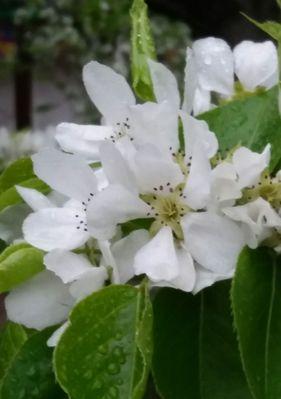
148, 192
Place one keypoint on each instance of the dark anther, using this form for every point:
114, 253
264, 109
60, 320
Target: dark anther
161, 188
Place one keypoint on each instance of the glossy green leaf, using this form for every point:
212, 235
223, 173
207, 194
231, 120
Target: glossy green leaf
18, 263
142, 48
256, 299
11, 196
12, 337
253, 122
17, 172
106, 350
30, 376
195, 349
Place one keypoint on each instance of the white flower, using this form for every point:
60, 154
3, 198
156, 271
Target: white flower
51, 227
212, 66
155, 186
47, 298
126, 124
258, 220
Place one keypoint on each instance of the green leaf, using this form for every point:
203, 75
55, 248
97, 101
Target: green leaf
12, 337
30, 376
18, 263
17, 172
11, 196
195, 349
256, 300
253, 122
106, 350
142, 48
272, 28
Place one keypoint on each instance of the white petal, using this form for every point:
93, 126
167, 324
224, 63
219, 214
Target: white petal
40, 302
258, 218
108, 260
213, 241
101, 179
224, 182
214, 61
202, 101
34, 198
116, 168
156, 124
112, 206
11, 220
190, 82
82, 139
256, 64
198, 186
89, 282
158, 259
108, 90
186, 279
67, 265
249, 165
125, 250
196, 130
68, 174
164, 84
206, 278
153, 170
55, 228
55, 337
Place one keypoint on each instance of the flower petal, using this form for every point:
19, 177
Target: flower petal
249, 165
214, 61
67, 265
108, 90
55, 228
41, 302
198, 186
55, 337
206, 278
68, 174
258, 220
34, 198
256, 64
156, 124
116, 168
190, 82
152, 170
125, 250
89, 282
213, 241
112, 206
158, 259
164, 84
82, 139
196, 130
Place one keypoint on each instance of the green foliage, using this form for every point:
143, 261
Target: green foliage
195, 349
272, 28
30, 374
12, 337
256, 299
106, 350
253, 122
19, 172
18, 263
142, 48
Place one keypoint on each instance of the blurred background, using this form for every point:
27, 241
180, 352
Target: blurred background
45, 43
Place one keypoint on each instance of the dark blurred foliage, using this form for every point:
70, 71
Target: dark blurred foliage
220, 18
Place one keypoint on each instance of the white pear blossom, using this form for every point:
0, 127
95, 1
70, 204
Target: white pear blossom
65, 227
47, 298
168, 189
125, 123
212, 66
